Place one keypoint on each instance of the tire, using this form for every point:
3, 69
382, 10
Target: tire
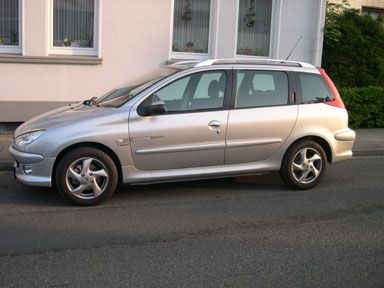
86, 176
304, 165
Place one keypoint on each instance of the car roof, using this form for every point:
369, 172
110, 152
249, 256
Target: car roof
240, 62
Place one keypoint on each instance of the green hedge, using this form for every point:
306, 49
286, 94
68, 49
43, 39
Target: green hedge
365, 106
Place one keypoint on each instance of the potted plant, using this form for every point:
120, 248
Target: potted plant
189, 47
14, 36
186, 15
67, 42
250, 16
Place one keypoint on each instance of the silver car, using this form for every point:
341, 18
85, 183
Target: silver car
190, 120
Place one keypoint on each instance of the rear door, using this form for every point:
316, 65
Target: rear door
262, 116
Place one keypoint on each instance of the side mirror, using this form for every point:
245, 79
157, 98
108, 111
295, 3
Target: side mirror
156, 108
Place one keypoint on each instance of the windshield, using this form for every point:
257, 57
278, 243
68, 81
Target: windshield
119, 96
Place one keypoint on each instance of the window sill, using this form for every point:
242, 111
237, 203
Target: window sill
51, 59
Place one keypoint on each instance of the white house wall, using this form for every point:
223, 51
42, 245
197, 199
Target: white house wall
134, 38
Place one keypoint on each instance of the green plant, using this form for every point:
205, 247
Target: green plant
67, 42
250, 16
89, 39
14, 36
353, 52
365, 106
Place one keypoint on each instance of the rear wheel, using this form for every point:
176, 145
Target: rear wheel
304, 165
87, 176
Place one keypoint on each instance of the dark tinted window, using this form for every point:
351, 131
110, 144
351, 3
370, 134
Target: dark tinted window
261, 88
313, 89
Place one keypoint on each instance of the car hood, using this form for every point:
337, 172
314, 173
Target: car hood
61, 116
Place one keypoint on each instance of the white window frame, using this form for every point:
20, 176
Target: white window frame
213, 19
76, 51
274, 32
7, 49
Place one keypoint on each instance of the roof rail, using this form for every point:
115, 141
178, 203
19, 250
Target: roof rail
234, 61
185, 62
266, 61
207, 62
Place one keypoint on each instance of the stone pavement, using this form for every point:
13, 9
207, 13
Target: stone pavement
369, 142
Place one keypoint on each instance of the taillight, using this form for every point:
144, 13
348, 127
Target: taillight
337, 102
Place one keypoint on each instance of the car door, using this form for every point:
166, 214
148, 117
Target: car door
262, 115
191, 133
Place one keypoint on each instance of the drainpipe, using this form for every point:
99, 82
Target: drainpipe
320, 10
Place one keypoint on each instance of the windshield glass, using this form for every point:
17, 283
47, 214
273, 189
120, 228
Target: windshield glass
119, 96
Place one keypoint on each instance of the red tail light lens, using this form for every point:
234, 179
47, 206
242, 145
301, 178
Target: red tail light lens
337, 102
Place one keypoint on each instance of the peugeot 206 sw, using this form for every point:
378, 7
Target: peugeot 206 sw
190, 120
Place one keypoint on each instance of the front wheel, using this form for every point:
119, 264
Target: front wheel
304, 165
86, 175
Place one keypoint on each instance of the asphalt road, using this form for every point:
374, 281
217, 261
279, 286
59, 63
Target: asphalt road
243, 232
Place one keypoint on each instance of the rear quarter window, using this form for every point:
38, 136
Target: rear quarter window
313, 89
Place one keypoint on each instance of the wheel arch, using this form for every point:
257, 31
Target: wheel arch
96, 145
319, 140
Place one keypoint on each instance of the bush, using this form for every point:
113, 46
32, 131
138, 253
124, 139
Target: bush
365, 106
353, 52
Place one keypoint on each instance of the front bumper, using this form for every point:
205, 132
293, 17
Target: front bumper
32, 169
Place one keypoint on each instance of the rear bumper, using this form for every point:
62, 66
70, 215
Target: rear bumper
32, 169
342, 144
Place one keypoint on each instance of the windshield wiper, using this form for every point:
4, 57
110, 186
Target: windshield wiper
91, 101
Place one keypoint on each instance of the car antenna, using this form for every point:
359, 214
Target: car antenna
293, 49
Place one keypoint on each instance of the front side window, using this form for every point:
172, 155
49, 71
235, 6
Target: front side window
261, 88
73, 27
191, 26
9, 26
313, 89
254, 27
199, 91
119, 96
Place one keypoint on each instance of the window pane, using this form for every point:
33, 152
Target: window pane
199, 91
261, 88
313, 89
9, 22
191, 26
254, 27
73, 23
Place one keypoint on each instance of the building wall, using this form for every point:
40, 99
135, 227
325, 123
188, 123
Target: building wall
135, 37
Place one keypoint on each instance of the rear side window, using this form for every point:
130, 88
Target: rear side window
313, 89
261, 88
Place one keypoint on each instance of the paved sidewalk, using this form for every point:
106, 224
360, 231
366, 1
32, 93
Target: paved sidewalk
369, 142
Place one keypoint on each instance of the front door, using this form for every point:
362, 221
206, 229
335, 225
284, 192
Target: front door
191, 133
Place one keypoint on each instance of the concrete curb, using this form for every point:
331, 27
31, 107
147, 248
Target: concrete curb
368, 152
7, 165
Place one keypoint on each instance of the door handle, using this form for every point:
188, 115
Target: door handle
214, 124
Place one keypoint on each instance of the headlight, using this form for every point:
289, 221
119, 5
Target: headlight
21, 142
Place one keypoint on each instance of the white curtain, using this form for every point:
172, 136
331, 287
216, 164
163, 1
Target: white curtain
73, 23
191, 26
9, 22
254, 27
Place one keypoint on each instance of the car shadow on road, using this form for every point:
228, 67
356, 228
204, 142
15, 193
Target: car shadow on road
14, 193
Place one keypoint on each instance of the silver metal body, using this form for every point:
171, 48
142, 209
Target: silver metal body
172, 147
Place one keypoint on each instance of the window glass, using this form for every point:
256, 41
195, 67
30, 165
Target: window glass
9, 22
129, 90
73, 23
175, 91
313, 89
261, 88
191, 26
254, 27
199, 91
